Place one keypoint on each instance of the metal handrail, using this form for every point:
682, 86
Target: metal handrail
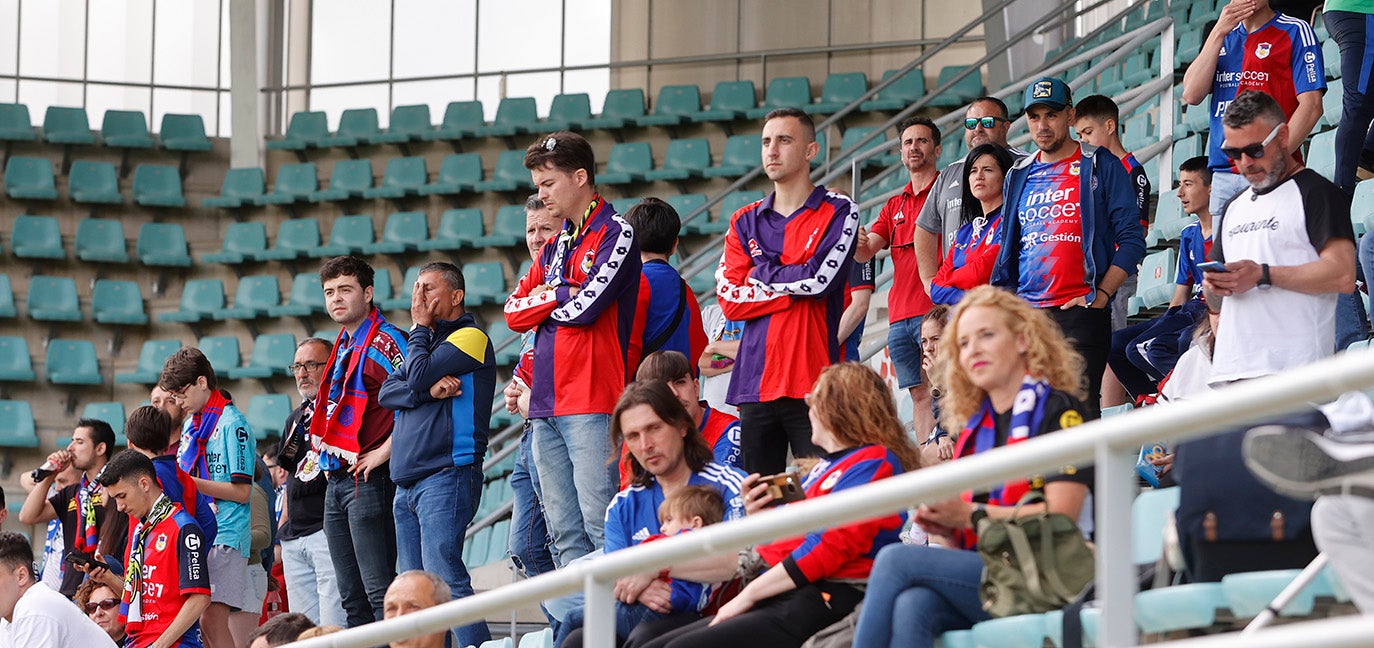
1111, 444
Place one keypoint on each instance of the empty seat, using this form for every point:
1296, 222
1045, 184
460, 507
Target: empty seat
16, 425
686, 158
163, 244
101, 240
30, 178
53, 299
15, 363
243, 242
223, 353
735, 201
684, 205
514, 115
568, 112
1321, 156
840, 90
15, 125
117, 302
850, 146
305, 131
507, 229
902, 93
622, 107
183, 133
628, 162
458, 172
241, 188
157, 185
200, 300
381, 290
349, 235
458, 229
730, 100
356, 126
486, 283
295, 183
676, 104
267, 414
507, 350
784, 92
37, 237
403, 177
94, 182
271, 354
307, 297
510, 173
297, 238
404, 232
461, 119
349, 179
125, 129
111, 412
965, 90
402, 292
72, 362
7, 308
255, 297
1156, 287
150, 360
743, 153
64, 125
408, 124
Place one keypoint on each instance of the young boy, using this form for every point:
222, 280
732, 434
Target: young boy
149, 431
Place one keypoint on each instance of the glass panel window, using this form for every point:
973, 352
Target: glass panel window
589, 34
435, 37
333, 101
197, 102
54, 43
184, 44
9, 35
437, 94
519, 36
100, 98
350, 41
41, 94
121, 46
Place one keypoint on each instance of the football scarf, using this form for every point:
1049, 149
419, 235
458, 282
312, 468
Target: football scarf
130, 608
339, 410
191, 454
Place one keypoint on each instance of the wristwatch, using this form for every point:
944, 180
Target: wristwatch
1264, 280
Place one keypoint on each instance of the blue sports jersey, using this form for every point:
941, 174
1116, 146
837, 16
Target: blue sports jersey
721, 432
1192, 250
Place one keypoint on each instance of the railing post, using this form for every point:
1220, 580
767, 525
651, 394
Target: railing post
1112, 497
599, 617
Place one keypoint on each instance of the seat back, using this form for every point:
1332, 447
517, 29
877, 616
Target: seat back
630, 157
119, 301
306, 291
408, 227
100, 239
463, 115
788, 92
37, 237
692, 154
626, 103
516, 112
743, 150
16, 425
246, 238
157, 181
486, 282
111, 412
296, 179
572, 107
67, 125
29, 173
461, 168
202, 296
351, 175
125, 127
405, 173
183, 133
298, 235
267, 414
308, 127
243, 183
352, 232
510, 167
72, 362
15, 362
844, 87
222, 352
90, 180
154, 354
162, 244
358, 122
684, 100
411, 121
15, 124
258, 292
734, 95
53, 299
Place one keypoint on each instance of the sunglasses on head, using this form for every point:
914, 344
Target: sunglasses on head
106, 604
1255, 151
986, 122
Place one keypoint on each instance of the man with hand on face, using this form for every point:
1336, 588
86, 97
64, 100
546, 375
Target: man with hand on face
442, 397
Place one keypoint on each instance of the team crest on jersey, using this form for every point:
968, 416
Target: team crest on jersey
899, 217
830, 480
1073, 168
754, 248
587, 259
1262, 50
161, 542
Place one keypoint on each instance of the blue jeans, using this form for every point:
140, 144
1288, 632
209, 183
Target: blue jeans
362, 540
904, 346
529, 533
578, 477
431, 517
1225, 186
1353, 32
916, 593
311, 587
628, 616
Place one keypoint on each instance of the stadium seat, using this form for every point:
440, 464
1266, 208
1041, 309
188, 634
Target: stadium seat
1189, 44
37, 237
486, 283
408, 124
53, 299
243, 242
499, 333
163, 244
349, 235
125, 129
306, 130
840, 90
241, 188
1321, 155
157, 185
1249, 593
30, 178
297, 238
307, 297
902, 93
271, 354
461, 119
1020, 631
7, 308
507, 229
568, 112
381, 289
622, 107
676, 104
101, 240
966, 90
15, 363
16, 425
255, 297
510, 173
540, 639
851, 139
111, 412
63, 125
628, 162
1169, 220
223, 353
295, 183
1156, 287
117, 302
72, 362
1139, 133
200, 300
150, 360
404, 232
743, 153
1187, 148
404, 177
730, 100
728, 206
458, 229
94, 182
183, 133
1361, 208
1333, 104
401, 301
458, 172
267, 414
514, 115
784, 92
15, 125
684, 205
349, 179
356, 126
685, 159
822, 150
1331, 59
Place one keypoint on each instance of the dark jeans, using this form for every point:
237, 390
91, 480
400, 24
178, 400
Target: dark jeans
766, 429
362, 540
1353, 32
1142, 354
529, 534
783, 621
1089, 330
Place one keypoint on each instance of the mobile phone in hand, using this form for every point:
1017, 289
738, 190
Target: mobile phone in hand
1213, 266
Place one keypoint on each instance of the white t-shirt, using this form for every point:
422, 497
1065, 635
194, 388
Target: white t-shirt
42, 617
714, 388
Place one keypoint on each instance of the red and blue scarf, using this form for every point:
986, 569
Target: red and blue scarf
191, 454
86, 533
342, 397
131, 601
980, 435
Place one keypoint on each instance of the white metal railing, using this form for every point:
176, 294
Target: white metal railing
1112, 444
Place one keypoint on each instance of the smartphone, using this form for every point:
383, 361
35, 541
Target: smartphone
1212, 266
84, 560
784, 487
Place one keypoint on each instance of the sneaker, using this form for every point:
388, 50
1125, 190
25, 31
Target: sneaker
1301, 462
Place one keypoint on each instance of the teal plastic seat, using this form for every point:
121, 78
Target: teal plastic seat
742, 154
125, 129
183, 133
15, 363
628, 162
297, 238
1181, 607
958, 639
676, 104
508, 229
150, 360
200, 300
241, 188
1321, 156
255, 297
271, 354
349, 179
243, 242
401, 299
540, 639
100, 240
404, 177
7, 309
568, 111
1333, 104
1331, 58
37, 237
1156, 286
1149, 513
381, 290
404, 232
223, 353
267, 414
510, 173
307, 297
117, 302
514, 115
73, 362
461, 119
163, 244
486, 283
733, 203
65, 125
30, 178
53, 299
1139, 132
1361, 210
840, 90
356, 126
730, 100
94, 182
349, 235
458, 172
1021, 631
685, 159
295, 183
111, 412
1247, 594
1169, 220
16, 425
306, 130
458, 229
621, 108
851, 138
966, 90
157, 185
784, 92
500, 334
15, 125
684, 205
408, 124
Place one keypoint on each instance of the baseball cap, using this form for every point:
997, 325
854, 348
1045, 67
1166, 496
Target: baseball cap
1048, 91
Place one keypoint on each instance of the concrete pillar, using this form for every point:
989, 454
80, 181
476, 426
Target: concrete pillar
245, 101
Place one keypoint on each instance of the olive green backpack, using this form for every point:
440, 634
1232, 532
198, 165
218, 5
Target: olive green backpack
1031, 563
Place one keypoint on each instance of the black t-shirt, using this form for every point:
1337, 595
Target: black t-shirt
304, 499
64, 502
1061, 411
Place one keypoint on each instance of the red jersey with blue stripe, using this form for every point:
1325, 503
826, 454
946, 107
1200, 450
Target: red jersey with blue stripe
1281, 59
971, 258
845, 551
587, 343
175, 566
784, 275
181, 488
1053, 268
672, 318
721, 432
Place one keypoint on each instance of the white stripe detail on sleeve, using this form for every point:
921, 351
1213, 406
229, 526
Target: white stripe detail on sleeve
828, 271
597, 284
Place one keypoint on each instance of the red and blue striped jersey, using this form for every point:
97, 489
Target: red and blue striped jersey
1053, 268
662, 294
175, 566
721, 432
1193, 248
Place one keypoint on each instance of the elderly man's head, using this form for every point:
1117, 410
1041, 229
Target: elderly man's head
413, 591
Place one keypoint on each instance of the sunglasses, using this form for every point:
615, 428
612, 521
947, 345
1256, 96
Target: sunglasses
986, 122
107, 604
1255, 151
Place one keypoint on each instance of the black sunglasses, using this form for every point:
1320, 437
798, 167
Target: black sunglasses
986, 122
106, 604
1255, 151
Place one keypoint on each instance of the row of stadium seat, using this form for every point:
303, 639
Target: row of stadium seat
120, 129
33, 178
100, 240
266, 414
